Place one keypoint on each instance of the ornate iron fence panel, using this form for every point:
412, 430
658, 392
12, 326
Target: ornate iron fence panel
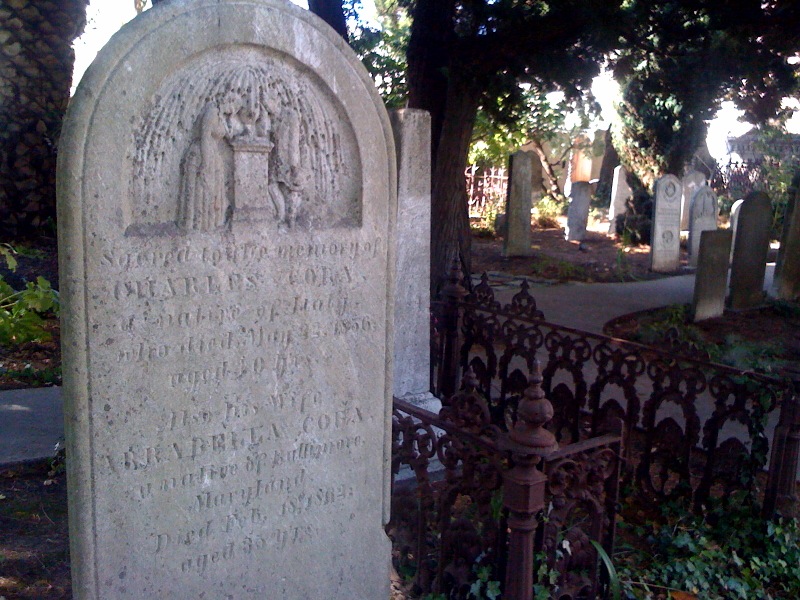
691, 429
450, 513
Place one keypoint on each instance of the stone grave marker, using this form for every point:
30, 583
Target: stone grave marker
227, 202
786, 232
751, 247
412, 350
734, 222
788, 276
703, 217
518, 209
711, 279
620, 193
578, 211
691, 182
665, 248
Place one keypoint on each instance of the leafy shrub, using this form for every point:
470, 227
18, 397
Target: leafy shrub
22, 312
728, 555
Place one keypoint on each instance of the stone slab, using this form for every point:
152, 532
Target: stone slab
751, 247
578, 211
665, 249
518, 208
31, 424
691, 182
620, 193
711, 279
227, 340
412, 349
703, 216
734, 222
787, 271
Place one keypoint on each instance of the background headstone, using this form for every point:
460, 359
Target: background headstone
788, 284
578, 211
620, 193
518, 209
750, 252
665, 245
691, 182
703, 217
786, 230
226, 228
711, 280
412, 349
733, 222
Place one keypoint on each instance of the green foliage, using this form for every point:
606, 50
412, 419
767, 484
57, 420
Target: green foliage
547, 211
729, 554
383, 51
484, 587
679, 62
545, 576
22, 312
506, 123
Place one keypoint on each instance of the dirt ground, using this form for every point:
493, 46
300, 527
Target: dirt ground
599, 258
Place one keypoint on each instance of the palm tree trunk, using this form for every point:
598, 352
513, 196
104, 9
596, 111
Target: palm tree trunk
36, 61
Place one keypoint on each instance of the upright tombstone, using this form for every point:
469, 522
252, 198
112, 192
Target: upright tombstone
518, 210
665, 245
412, 350
734, 222
620, 193
711, 280
703, 217
578, 211
691, 182
788, 284
226, 221
787, 233
750, 252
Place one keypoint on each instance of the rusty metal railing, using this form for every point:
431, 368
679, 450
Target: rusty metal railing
504, 499
692, 430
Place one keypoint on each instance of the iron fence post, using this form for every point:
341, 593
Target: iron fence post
524, 485
781, 493
452, 293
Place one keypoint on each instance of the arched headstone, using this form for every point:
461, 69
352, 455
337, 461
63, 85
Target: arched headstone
227, 201
665, 243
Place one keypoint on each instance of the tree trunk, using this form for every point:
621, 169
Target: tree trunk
450, 232
610, 162
547, 168
428, 57
35, 76
332, 12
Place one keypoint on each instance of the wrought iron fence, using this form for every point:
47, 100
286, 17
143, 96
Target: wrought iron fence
486, 190
692, 430
486, 503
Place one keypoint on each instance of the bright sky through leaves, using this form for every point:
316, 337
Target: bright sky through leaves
105, 17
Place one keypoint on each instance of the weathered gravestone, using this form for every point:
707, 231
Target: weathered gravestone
412, 350
691, 182
578, 211
734, 222
787, 271
226, 215
518, 209
703, 217
751, 247
711, 280
788, 241
620, 193
665, 245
